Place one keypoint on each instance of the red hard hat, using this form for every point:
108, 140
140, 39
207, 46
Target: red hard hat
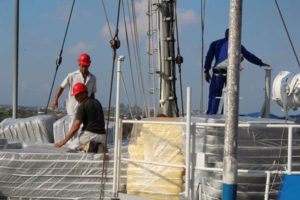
84, 59
78, 88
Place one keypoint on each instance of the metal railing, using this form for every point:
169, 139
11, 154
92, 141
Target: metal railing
268, 173
188, 124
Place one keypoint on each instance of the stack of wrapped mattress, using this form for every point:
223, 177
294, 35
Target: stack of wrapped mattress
41, 171
36, 129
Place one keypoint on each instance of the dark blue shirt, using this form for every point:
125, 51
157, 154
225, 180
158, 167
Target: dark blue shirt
219, 50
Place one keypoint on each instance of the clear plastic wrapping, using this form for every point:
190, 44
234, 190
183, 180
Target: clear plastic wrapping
155, 143
36, 129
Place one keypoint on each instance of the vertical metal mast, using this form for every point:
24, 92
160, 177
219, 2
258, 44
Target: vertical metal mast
15, 61
152, 59
167, 74
231, 125
150, 73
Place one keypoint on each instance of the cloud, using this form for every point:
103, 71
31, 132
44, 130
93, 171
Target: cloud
141, 21
187, 17
60, 13
80, 47
105, 31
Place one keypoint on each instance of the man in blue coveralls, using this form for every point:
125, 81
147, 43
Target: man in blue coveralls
218, 50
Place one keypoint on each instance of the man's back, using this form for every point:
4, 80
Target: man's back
218, 50
90, 113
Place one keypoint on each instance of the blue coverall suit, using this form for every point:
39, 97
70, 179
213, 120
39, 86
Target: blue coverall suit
219, 50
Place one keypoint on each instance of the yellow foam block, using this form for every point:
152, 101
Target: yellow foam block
154, 196
150, 173
162, 151
166, 159
158, 181
154, 188
156, 143
135, 148
137, 156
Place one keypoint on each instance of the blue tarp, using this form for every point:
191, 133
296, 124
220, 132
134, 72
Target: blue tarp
290, 188
271, 116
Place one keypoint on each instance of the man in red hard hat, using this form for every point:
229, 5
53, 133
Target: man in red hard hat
90, 114
82, 76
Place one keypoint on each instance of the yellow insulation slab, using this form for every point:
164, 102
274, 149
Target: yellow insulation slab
154, 196
156, 143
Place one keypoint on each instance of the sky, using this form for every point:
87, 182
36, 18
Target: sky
43, 23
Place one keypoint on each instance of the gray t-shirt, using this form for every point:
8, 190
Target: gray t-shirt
90, 113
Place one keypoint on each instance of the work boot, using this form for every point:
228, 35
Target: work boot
91, 147
101, 148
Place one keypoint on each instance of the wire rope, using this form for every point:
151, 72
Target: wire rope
203, 2
106, 18
130, 59
59, 58
287, 32
136, 38
126, 94
115, 44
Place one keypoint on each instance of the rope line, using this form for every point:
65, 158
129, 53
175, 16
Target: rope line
130, 60
59, 58
115, 44
106, 18
126, 94
138, 57
287, 32
202, 55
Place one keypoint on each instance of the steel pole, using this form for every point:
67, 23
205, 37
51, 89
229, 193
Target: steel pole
265, 111
290, 150
231, 124
187, 144
117, 130
15, 62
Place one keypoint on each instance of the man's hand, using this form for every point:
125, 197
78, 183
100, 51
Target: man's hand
60, 143
54, 104
265, 65
207, 77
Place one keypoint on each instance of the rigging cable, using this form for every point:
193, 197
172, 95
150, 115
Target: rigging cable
138, 57
202, 55
115, 44
130, 61
106, 18
287, 32
179, 61
59, 58
126, 94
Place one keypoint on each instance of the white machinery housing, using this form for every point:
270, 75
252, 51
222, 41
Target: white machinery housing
286, 90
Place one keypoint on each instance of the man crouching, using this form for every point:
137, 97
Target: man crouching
90, 114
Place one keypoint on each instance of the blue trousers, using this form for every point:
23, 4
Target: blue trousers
217, 83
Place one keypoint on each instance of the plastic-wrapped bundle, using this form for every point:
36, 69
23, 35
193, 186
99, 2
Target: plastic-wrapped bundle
40, 171
36, 129
63, 125
259, 148
156, 143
